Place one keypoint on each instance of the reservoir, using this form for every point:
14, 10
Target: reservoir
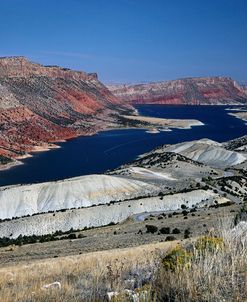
109, 149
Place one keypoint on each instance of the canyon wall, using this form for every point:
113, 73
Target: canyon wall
43, 104
188, 91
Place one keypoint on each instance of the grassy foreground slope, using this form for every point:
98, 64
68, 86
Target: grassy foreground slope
208, 268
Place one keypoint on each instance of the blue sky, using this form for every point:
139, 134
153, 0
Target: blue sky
130, 40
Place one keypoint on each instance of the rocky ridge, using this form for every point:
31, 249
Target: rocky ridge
188, 91
43, 104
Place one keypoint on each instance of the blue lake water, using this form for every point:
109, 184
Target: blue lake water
109, 149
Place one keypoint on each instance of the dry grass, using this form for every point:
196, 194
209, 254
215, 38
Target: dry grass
213, 274
83, 278
206, 272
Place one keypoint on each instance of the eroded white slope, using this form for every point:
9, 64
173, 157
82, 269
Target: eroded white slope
148, 173
208, 152
103, 214
84, 191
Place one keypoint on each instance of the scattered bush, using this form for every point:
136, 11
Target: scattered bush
210, 269
178, 258
151, 228
165, 230
170, 238
241, 215
187, 234
209, 244
185, 213
72, 236
176, 231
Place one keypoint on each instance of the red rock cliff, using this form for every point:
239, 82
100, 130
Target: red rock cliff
211, 90
41, 104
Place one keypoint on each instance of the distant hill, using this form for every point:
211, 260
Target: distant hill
41, 104
191, 91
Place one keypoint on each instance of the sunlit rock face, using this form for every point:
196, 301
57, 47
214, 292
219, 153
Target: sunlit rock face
192, 91
41, 104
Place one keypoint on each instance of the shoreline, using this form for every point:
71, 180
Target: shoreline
242, 115
181, 104
10, 165
152, 129
17, 161
163, 124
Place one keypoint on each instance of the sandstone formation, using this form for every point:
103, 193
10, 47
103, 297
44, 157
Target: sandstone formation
188, 91
43, 104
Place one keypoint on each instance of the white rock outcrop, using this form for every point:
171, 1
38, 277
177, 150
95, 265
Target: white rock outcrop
208, 152
102, 215
83, 191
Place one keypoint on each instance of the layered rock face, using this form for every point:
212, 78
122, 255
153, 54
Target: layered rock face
191, 91
41, 104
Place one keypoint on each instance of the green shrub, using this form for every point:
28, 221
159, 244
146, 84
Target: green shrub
186, 234
151, 228
165, 230
241, 215
178, 258
72, 236
185, 213
209, 244
176, 231
170, 238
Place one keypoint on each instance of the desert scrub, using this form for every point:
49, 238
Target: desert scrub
170, 238
208, 244
88, 277
165, 230
241, 215
187, 234
216, 270
176, 231
151, 228
178, 258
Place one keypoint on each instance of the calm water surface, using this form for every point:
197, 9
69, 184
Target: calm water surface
109, 149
